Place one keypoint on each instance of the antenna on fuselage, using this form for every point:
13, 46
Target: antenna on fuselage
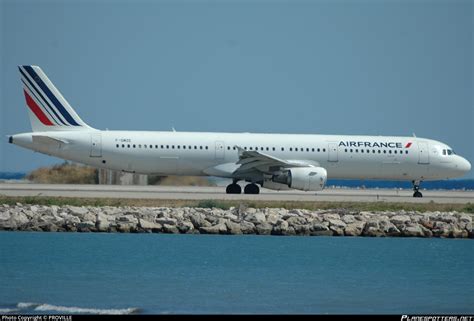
172, 128
414, 135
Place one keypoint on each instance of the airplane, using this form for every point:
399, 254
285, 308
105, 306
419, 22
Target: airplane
273, 161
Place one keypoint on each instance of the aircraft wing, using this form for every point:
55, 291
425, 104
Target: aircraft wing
255, 161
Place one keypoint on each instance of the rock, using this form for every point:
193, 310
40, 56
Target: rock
348, 219
389, 228
166, 220
129, 220
328, 217
257, 217
264, 228
233, 228
441, 229
296, 220
185, 227
198, 221
172, 229
354, 229
399, 220
231, 217
78, 211
273, 218
372, 228
20, 219
150, 226
302, 229
102, 223
220, 228
247, 227
5, 216
337, 223
86, 226
413, 231
281, 228
318, 229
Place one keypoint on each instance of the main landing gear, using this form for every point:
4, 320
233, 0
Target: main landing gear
416, 189
235, 188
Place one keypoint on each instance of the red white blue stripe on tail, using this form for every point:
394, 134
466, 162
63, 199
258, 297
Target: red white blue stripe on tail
49, 109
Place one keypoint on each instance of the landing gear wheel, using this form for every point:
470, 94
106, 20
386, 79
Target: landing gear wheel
417, 194
233, 189
251, 189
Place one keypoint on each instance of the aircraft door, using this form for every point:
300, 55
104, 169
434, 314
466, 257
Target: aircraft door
333, 152
96, 145
220, 150
423, 153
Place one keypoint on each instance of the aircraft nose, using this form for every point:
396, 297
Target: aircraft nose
464, 165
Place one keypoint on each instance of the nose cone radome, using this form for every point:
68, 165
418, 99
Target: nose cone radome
463, 166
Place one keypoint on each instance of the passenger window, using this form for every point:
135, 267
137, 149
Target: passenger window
307, 149
345, 150
351, 150
156, 146
282, 149
273, 148
357, 150
207, 147
324, 150
178, 147
267, 149
291, 149
123, 145
384, 151
361, 150
373, 151
184, 146
195, 147
406, 152
128, 146
379, 151
390, 151
200, 147
234, 148
133, 146
312, 149
319, 150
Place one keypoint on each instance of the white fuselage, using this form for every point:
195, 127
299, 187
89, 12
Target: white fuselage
215, 154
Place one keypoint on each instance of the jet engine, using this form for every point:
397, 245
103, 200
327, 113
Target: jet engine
303, 178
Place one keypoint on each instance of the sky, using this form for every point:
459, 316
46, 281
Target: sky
316, 67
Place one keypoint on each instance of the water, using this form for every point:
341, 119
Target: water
159, 273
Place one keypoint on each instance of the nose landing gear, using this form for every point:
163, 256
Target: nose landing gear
416, 189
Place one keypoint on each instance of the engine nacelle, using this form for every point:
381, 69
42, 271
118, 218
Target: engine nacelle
303, 178
275, 186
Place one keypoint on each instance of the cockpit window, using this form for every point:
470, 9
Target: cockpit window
444, 151
450, 152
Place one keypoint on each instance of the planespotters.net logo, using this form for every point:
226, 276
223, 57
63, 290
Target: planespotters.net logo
437, 318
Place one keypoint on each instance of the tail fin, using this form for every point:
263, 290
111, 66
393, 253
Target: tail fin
48, 109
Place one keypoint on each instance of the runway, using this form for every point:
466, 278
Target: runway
218, 193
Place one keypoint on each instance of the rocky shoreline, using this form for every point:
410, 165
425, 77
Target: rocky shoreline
241, 220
